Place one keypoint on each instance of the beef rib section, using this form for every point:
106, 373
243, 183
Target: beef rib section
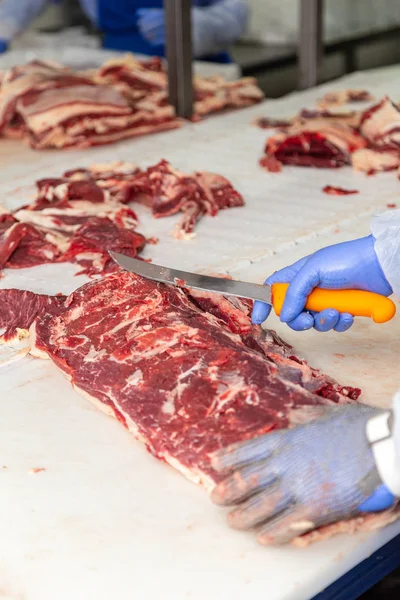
52, 106
368, 140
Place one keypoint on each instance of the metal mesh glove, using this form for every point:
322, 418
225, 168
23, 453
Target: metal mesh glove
342, 266
288, 482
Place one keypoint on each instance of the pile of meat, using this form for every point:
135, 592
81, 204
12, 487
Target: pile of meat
52, 106
78, 217
186, 372
368, 140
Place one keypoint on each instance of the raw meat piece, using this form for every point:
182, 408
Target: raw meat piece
72, 219
80, 216
269, 123
148, 80
372, 161
53, 107
22, 245
380, 125
186, 372
369, 140
271, 164
315, 143
168, 191
20, 308
345, 97
90, 245
367, 523
338, 191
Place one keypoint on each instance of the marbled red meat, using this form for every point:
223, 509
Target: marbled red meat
185, 372
19, 308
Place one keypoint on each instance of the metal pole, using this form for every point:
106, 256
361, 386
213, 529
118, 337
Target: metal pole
310, 41
179, 55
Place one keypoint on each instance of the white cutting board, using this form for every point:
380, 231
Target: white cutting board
105, 519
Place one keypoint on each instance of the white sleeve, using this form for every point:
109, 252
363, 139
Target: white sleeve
396, 427
386, 230
383, 433
15, 16
218, 26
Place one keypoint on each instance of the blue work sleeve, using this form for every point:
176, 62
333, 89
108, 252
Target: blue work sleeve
218, 26
15, 16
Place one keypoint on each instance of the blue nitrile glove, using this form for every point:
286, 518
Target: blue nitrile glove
151, 25
288, 482
3, 46
350, 265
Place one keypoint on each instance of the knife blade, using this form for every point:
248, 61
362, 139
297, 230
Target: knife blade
226, 287
356, 302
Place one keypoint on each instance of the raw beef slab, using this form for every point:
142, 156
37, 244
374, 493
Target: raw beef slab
368, 140
185, 372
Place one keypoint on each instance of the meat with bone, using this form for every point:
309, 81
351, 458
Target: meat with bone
369, 140
53, 107
185, 372
148, 80
317, 143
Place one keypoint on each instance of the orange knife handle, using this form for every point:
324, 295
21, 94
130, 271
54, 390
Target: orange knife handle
356, 302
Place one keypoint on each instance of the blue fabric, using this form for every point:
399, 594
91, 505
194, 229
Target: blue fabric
3, 46
119, 21
342, 266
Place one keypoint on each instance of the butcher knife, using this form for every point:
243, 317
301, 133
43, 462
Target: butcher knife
356, 302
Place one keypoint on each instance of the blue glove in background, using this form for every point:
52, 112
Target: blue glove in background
288, 482
151, 23
342, 266
3, 46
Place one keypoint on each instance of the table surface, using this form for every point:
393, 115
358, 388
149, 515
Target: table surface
105, 519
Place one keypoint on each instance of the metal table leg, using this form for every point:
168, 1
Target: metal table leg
310, 42
179, 55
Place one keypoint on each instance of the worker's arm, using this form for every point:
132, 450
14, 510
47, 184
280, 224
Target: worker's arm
289, 482
15, 16
371, 263
214, 27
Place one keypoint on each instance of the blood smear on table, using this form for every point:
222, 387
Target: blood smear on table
338, 191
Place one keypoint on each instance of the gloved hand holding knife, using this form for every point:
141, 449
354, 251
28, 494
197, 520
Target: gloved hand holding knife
289, 482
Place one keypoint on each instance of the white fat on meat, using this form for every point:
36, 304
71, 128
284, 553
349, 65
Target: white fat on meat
57, 105
381, 125
371, 160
